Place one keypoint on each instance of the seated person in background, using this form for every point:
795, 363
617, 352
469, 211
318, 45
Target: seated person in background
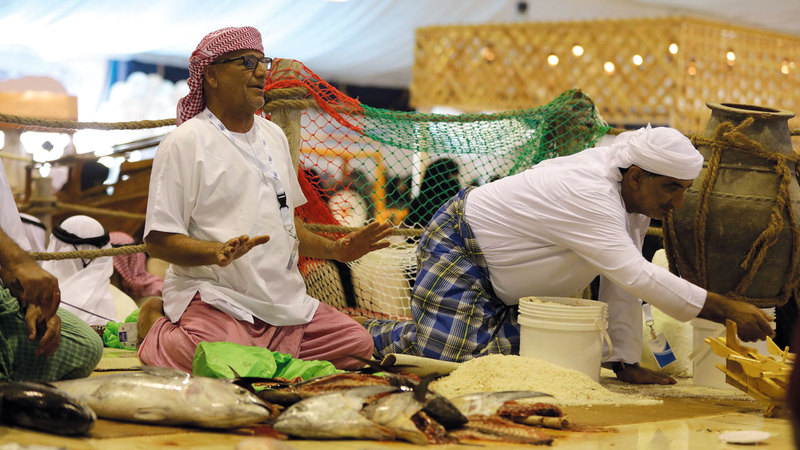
130, 271
38, 341
221, 211
35, 231
85, 283
439, 184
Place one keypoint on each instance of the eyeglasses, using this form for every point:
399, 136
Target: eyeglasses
248, 61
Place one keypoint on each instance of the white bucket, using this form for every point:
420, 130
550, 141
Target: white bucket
571, 338
704, 360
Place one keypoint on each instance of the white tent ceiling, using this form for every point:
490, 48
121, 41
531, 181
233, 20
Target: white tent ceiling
355, 41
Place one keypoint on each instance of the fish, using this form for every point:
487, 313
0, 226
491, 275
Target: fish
163, 396
495, 428
287, 394
395, 411
487, 403
335, 415
45, 408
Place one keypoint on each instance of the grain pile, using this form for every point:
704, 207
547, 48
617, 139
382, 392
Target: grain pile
494, 373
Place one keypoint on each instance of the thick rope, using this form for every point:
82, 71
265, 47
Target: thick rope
74, 125
89, 254
728, 137
300, 104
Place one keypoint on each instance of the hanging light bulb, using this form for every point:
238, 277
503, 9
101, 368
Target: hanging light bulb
785, 67
552, 59
692, 69
673, 48
638, 60
577, 50
731, 57
608, 66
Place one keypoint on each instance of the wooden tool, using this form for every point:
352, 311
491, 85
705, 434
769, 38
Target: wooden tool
763, 377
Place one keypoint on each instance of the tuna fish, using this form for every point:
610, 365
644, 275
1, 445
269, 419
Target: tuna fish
44, 408
335, 415
487, 403
163, 396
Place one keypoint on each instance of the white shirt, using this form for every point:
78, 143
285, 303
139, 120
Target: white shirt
550, 230
203, 186
10, 222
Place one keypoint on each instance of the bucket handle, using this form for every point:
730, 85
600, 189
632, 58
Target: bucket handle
602, 325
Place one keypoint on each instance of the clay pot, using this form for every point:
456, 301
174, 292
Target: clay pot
738, 210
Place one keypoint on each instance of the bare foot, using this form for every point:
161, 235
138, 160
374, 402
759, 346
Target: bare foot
152, 309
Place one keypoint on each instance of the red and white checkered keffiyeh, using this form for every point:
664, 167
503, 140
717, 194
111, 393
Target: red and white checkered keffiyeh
135, 279
214, 45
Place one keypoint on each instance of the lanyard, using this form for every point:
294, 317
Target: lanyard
269, 175
648, 318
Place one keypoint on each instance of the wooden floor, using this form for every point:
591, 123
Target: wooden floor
689, 418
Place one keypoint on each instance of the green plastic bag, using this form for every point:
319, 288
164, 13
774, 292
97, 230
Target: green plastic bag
229, 360
111, 332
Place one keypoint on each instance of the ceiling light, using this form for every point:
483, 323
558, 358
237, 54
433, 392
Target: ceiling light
673, 48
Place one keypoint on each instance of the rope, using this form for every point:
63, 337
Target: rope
289, 92
339, 229
728, 137
89, 254
74, 125
289, 103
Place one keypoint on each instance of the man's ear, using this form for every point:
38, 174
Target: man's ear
210, 77
636, 175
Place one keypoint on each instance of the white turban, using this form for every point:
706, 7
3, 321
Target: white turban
84, 283
661, 150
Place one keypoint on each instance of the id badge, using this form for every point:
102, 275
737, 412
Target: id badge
661, 349
295, 251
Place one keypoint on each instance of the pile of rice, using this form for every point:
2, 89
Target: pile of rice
493, 373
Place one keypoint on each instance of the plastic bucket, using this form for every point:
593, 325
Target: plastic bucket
575, 345
704, 360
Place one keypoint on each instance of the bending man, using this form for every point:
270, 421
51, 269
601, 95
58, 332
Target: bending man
549, 231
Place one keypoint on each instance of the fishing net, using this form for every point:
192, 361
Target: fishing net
359, 164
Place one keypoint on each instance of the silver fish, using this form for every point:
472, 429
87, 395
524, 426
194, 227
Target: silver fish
334, 416
487, 403
163, 396
44, 408
394, 411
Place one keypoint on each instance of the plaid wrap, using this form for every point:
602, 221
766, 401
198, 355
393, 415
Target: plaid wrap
455, 314
214, 45
78, 353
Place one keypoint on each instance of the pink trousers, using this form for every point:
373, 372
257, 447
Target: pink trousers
331, 335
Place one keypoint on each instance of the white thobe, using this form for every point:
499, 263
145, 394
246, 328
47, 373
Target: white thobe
10, 222
203, 186
549, 231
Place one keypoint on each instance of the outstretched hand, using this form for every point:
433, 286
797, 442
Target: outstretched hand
359, 243
238, 247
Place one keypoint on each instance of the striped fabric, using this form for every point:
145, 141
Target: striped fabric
214, 45
455, 314
78, 352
